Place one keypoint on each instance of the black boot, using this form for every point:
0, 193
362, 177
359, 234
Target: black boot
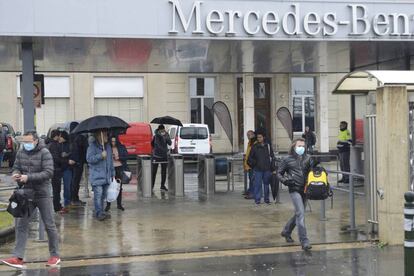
108, 206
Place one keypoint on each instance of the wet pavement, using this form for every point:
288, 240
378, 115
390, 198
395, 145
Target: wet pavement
353, 259
168, 225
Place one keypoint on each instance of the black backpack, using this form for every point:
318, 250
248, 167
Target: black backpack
18, 204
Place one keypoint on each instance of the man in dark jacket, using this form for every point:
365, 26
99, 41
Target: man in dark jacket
310, 140
79, 146
56, 151
261, 160
32, 170
67, 164
160, 143
293, 172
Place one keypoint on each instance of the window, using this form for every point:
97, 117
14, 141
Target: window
119, 96
202, 100
194, 133
303, 103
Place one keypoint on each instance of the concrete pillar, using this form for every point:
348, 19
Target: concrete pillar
248, 105
392, 161
323, 99
27, 86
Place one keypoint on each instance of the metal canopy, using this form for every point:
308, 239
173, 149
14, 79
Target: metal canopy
358, 82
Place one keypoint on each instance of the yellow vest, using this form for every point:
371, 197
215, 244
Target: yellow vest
249, 148
344, 135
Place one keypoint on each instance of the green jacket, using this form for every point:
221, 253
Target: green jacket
344, 140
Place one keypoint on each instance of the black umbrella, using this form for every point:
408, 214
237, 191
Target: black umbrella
274, 185
166, 120
96, 123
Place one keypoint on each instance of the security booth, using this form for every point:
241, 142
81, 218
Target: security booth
388, 143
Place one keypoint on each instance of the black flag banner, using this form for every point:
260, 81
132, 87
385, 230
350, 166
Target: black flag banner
223, 115
284, 116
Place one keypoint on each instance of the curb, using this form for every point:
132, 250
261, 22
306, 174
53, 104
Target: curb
7, 235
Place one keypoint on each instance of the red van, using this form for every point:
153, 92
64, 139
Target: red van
137, 139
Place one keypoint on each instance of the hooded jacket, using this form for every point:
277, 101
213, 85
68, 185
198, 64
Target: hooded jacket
101, 170
160, 145
37, 164
293, 171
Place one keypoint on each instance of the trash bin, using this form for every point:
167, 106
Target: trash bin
176, 175
221, 166
206, 175
357, 159
144, 175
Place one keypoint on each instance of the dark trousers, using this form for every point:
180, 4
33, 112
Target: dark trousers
163, 171
344, 164
118, 175
76, 179
57, 187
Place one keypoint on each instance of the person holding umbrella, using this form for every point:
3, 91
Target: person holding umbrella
101, 170
160, 143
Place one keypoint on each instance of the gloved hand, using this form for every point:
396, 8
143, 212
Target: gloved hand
288, 181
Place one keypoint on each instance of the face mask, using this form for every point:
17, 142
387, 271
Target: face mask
300, 150
28, 146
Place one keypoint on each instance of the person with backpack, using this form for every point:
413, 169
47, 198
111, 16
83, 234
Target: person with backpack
261, 160
293, 172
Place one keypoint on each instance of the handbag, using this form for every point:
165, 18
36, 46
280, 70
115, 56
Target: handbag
18, 204
126, 177
113, 190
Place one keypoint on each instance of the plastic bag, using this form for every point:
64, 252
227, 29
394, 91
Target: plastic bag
113, 190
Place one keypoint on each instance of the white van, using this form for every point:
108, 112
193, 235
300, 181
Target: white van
190, 139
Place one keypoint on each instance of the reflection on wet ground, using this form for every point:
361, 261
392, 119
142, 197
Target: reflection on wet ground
364, 259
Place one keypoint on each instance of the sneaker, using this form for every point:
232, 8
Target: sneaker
108, 207
120, 207
13, 262
287, 237
164, 188
53, 261
101, 217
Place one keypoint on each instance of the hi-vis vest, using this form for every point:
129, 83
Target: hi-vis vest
317, 186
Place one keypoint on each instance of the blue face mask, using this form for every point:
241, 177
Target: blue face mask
28, 146
300, 150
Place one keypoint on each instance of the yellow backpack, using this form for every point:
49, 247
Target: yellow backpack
317, 186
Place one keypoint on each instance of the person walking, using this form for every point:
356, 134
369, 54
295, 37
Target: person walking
79, 145
119, 158
67, 164
160, 143
293, 172
32, 170
3, 143
252, 140
56, 151
344, 150
262, 161
101, 170
310, 140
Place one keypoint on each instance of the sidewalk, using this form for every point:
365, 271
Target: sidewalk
168, 225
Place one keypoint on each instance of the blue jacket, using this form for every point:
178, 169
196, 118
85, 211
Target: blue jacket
101, 170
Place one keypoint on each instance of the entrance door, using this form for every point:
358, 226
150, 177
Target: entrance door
261, 107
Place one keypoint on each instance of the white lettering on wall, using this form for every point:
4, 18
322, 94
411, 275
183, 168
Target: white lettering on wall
232, 15
331, 28
380, 24
396, 24
296, 21
270, 18
246, 22
177, 10
308, 22
217, 20
363, 18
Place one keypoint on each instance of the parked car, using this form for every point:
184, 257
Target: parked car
137, 139
190, 139
12, 144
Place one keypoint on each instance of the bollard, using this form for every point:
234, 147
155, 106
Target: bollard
409, 233
176, 175
323, 211
206, 175
352, 226
144, 176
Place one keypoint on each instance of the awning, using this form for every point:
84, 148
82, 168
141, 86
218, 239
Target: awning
365, 81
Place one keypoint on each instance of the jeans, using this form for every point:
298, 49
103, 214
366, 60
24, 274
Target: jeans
259, 179
250, 190
76, 179
45, 207
67, 187
344, 164
99, 197
57, 186
299, 202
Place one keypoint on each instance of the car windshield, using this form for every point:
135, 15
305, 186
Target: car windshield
195, 133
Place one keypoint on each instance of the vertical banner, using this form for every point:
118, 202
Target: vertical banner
223, 115
284, 116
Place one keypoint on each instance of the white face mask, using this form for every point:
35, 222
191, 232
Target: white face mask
300, 150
